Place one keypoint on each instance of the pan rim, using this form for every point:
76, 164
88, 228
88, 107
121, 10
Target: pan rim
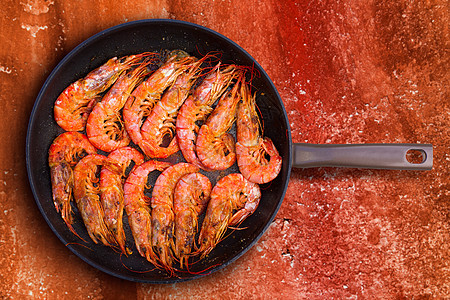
64, 61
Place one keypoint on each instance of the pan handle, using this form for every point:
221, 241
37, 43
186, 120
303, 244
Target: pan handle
369, 156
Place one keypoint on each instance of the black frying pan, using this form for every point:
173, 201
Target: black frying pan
155, 35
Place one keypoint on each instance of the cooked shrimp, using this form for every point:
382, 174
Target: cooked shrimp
86, 192
215, 146
74, 104
104, 126
64, 153
232, 192
138, 209
191, 196
111, 187
197, 108
162, 211
141, 102
257, 157
158, 131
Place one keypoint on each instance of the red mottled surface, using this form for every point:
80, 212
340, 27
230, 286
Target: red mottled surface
348, 72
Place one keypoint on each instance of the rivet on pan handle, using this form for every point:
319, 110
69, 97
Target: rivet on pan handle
369, 156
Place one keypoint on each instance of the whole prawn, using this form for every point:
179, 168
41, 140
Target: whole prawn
112, 194
104, 126
64, 153
138, 209
159, 128
215, 146
141, 102
73, 105
87, 196
197, 108
252, 150
231, 193
162, 211
191, 196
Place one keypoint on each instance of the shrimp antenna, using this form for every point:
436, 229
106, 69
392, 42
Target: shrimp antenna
260, 119
214, 53
202, 272
75, 233
78, 244
146, 56
134, 271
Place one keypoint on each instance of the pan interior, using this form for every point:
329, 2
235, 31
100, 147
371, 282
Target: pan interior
137, 37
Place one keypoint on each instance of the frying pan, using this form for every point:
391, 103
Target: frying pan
154, 35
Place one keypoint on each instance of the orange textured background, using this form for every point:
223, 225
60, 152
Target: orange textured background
352, 71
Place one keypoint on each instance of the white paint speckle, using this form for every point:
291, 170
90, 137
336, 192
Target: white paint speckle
5, 70
33, 29
36, 7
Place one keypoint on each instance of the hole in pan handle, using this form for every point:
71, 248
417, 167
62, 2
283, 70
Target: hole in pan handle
368, 156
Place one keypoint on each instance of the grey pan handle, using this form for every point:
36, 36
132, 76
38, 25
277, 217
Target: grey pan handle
371, 156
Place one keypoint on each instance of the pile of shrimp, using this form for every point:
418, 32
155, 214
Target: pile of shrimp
124, 119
